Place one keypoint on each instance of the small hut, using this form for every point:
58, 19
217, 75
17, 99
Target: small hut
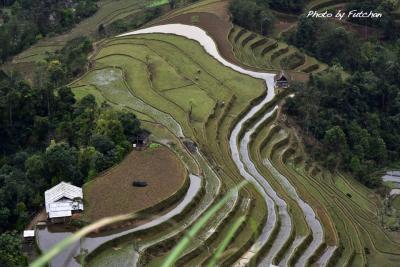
141, 141
282, 80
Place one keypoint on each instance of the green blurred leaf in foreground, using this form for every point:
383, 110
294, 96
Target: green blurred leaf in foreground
48, 255
181, 246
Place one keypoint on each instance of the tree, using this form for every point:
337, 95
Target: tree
130, 124
86, 113
102, 143
87, 163
14, 189
171, 4
56, 72
335, 141
35, 171
305, 35
85, 9
88, 102
101, 29
355, 164
62, 163
65, 103
109, 125
253, 15
5, 215
67, 18
10, 250
378, 149
41, 126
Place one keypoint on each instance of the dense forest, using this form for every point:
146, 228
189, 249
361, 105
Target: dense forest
356, 120
23, 22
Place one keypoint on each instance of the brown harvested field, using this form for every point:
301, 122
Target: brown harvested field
112, 193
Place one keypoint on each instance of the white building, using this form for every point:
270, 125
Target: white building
29, 233
62, 200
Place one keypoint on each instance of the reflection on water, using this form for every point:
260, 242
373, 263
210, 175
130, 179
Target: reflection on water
285, 220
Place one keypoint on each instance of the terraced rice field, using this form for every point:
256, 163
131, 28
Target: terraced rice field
297, 214
269, 54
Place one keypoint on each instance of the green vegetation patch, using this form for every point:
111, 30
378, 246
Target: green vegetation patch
155, 145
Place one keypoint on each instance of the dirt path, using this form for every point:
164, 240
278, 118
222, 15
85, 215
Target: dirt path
39, 217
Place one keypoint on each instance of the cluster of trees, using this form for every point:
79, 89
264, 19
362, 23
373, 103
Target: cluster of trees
356, 121
66, 63
254, 15
131, 22
30, 20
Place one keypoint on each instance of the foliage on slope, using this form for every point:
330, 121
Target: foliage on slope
253, 15
29, 21
357, 119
